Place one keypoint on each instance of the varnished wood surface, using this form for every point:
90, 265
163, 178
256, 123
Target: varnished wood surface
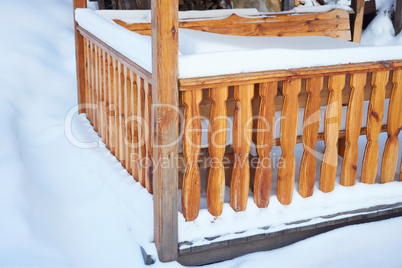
332, 124
374, 121
353, 125
217, 144
391, 150
242, 126
334, 23
310, 135
265, 140
289, 122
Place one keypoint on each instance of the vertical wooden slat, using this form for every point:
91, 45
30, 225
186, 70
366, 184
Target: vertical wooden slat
107, 99
96, 88
148, 138
165, 94
289, 122
216, 145
135, 160
140, 129
332, 125
101, 97
374, 122
91, 83
128, 121
357, 25
87, 77
265, 139
239, 187
122, 131
112, 106
117, 106
310, 134
353, 125
191, 190
80, 59
394, 124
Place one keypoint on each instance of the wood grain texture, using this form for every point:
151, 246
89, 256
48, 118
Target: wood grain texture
358, 7
310, 134
112, 106
374, 122
96, 89
87, 77
141, 129
191, 191
391, 150
107, 99
121, 115
217, 144
281, 75
289, 122
353, 125
334, 23
80, 60
165, 92
101, 97
149, 145
242, 126
332, 125
91, 82
128, 138
134, 127
265, 139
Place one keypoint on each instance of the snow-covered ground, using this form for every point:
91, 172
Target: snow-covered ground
64, 206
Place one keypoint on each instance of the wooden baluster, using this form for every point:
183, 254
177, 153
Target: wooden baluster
191, 190
143, 137
265, 139
375, 114
216, 146
289, 122
91, 83
101, 97
332, 125
353, 126
310, 134
96, 88
149, 131
122, 118
127, 124
116, 108
106, 95
140, 129
134, 126
243, 123
112, 106
394, 124
86, 71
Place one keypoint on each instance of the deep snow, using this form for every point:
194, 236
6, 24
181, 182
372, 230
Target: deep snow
63, 206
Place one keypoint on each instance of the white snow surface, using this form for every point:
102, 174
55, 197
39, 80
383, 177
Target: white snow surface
66, 206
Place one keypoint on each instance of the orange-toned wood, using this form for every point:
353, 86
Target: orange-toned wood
112, 106
121, 119
391, 150
310, 134
217, 145
101, 96
289, 122
116, 108
96, 89
128, 120
117, 55
332, 125
242, 127
165, 96
191, 148
80, 58
107, 98
341, 146
353, 125
149, 131
358, 7
134, 127
141, 129
143, 134
265, 139
281, 75
334, 23
91, 83
87, 78
374, 122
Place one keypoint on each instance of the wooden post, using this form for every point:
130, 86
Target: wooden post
398, 17
80, 59
357, 20
165, 93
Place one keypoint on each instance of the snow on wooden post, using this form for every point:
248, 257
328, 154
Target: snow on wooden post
165, 96
80, 58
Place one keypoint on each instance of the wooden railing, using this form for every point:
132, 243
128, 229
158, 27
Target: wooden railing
376, 82
118, 99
